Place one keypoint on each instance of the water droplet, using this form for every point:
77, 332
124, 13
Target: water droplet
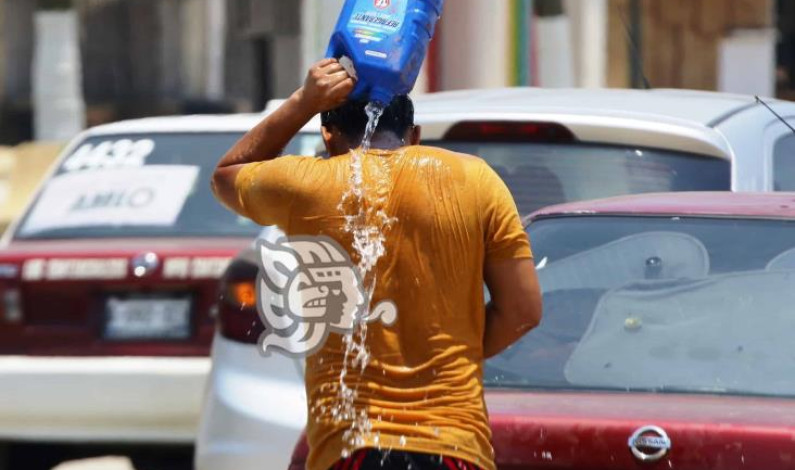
402, 441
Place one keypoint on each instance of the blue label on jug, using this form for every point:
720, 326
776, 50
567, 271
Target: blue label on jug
373, 21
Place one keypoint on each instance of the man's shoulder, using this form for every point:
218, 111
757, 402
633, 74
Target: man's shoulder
294, 161
440, 152
298, 158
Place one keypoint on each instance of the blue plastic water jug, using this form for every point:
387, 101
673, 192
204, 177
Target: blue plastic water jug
387, 41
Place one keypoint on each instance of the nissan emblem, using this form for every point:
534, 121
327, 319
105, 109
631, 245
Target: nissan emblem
649, 444
145, 264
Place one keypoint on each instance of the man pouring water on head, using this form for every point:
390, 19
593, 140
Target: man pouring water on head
379, 280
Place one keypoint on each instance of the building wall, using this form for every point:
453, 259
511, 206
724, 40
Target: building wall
185, 56
680, 38
21, 169
2, 51
16, 36
58, 105
318, 19
176, 56
589, 41
474, 44
263, 51
130, 56
16, 55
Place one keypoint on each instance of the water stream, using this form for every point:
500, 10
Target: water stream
366, 220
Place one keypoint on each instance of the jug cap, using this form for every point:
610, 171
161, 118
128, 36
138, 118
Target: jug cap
381, 95
347, 63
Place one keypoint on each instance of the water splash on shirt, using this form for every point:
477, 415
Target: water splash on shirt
367, 221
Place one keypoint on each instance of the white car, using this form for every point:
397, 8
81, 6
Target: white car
550, 146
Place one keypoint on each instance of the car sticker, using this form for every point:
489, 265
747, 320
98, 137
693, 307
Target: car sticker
124, 153
73, 269
145, 196
211, 267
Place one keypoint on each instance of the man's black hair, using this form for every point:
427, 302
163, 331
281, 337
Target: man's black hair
350, 119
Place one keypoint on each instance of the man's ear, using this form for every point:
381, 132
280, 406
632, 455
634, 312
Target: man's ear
326, 134
335, 143
328, 140
415, 135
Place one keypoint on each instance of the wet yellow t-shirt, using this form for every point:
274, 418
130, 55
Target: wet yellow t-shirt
423, 387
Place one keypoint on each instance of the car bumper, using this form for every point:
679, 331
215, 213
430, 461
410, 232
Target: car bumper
254, 410
118, 399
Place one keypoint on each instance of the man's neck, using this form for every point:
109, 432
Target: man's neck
386, 141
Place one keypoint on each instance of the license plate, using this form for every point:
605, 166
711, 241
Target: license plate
131, 319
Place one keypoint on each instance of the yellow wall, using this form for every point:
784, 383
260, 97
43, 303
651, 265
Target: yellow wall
21, 169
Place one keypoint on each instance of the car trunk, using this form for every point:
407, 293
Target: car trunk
112, 296
593, 430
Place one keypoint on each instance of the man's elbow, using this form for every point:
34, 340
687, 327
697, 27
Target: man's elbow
224, 189
532, 313
214, 183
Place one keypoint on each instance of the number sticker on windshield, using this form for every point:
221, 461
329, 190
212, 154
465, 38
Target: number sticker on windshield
123, 153
151, 195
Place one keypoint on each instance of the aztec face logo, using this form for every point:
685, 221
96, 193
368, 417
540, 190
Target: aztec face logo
307, 288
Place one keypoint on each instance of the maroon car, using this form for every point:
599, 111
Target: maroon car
109, 285
667, 338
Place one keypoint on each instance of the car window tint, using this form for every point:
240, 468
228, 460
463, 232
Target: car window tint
540, 175
784, 164
700, 299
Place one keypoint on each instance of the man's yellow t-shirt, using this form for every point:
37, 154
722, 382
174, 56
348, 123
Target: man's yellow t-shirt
423, 386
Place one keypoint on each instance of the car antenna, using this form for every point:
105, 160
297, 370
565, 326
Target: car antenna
759, 100
638, 67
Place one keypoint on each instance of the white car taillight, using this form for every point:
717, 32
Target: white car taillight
238, 319
12, 306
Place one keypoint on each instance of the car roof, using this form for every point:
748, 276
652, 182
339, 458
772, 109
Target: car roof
679, 120
189, 124
717, 204
697, 107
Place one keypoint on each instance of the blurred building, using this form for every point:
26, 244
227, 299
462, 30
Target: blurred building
702, 44
186, 56
148, 57
152, 57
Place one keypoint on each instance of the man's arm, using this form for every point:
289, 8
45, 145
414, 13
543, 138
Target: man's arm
515, 306
327, 86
